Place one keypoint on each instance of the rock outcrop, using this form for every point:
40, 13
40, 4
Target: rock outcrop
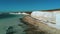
37, 27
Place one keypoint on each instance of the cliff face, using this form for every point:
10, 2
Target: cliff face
39, 26
44, 16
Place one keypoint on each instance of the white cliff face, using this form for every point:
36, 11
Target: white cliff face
58, 20
40, 13
57, 15
45, 17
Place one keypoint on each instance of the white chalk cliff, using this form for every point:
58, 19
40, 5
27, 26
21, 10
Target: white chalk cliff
48, 18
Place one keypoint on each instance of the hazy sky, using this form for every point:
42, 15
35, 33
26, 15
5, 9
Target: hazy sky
14, 5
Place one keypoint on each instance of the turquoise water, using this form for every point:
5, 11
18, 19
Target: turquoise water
10, 21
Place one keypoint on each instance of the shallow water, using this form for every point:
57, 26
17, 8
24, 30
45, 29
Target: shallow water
9, 21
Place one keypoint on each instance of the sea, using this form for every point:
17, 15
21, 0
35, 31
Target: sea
5, 22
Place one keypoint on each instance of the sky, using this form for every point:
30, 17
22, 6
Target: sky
28, 5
